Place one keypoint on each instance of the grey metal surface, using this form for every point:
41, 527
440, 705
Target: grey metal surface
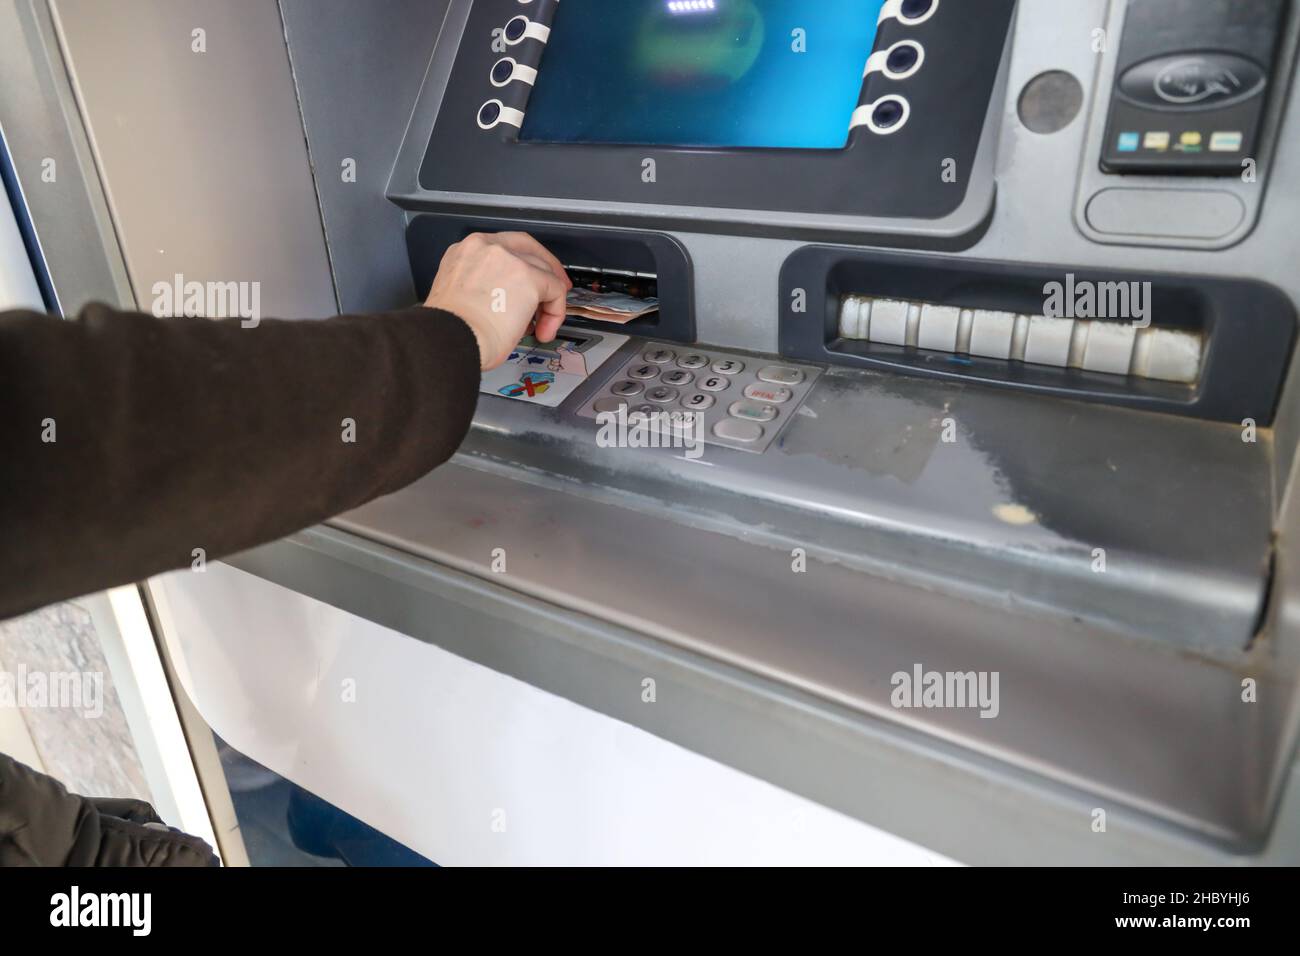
1012, 510
38, 120
201, 153
1166, 719
1153, 213
357, 88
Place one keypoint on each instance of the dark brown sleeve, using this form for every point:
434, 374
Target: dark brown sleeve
127, 441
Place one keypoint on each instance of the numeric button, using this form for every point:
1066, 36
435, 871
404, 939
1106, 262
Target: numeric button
715, 383
662, 395
728, 367
678, 378
644, 372
628, 389
698, 402
693, 361
659, 356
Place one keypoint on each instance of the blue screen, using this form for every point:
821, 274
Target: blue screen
708, 73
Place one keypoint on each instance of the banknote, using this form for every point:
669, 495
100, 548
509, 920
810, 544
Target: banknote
615, 307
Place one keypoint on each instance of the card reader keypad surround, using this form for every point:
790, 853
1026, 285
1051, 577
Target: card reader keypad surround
745, 400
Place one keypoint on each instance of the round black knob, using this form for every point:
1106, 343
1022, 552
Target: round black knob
887, 114
489, 113
902, 58
516, 29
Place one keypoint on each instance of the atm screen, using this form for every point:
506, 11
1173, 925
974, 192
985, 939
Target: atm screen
707, 73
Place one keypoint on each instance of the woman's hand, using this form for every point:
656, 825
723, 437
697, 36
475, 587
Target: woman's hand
499, 284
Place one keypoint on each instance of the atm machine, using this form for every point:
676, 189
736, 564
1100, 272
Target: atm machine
985, 315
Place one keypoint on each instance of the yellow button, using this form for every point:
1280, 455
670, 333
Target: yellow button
1190, 139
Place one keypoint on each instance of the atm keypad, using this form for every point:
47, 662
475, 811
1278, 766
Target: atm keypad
744, 402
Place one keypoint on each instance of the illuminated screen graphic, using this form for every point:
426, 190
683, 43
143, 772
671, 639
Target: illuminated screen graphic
720, 73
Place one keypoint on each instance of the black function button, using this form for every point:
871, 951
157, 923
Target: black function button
489, 113
502, 71
901, 58
887, 114
516, 29
915, 9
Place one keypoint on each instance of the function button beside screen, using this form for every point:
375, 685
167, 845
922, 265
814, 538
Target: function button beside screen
693, 361
489, 113
516, 28
659, 356
887, 114
628, 389
644, 372
781, 375
915, 11
662, 395
715, 383
678, 378
698, 402
776, 394
902, 58
733, 429
502, 71
752, 411
728, 367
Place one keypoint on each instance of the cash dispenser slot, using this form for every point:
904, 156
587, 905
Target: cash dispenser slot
639, 285
1191, 345
640, 264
